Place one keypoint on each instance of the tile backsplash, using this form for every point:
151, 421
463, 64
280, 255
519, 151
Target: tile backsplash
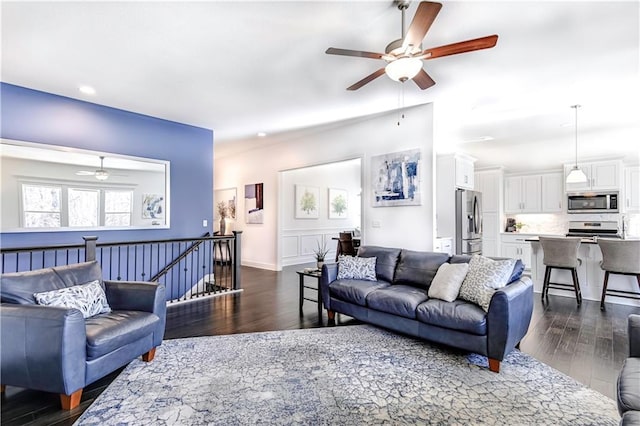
558, 224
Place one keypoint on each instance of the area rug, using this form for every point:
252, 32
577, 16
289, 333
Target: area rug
347, 375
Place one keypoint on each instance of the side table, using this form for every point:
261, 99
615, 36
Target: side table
313, 274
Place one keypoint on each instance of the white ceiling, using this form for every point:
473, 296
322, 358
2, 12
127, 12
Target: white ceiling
241, 68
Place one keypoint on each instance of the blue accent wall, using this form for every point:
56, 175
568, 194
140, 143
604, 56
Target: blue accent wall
40, 117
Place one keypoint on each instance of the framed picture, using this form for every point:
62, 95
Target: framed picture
152, 206
254, 203
338, 203
396, 179
307, 199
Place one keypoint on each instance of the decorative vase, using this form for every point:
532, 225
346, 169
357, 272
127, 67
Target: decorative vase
222, 226
319, 264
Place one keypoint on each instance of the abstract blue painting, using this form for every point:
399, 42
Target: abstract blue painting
395, 179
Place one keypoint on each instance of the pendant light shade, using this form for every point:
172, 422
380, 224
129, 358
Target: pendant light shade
576, 175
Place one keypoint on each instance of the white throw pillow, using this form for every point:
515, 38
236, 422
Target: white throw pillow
357, 268
483, 278
88, 298
446, 284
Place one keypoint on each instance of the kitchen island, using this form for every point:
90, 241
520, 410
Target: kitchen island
590, 275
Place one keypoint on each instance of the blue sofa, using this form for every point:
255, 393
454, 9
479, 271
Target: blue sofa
55, 349
398, 301
628, 391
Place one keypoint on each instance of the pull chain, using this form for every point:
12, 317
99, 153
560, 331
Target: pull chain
401, 103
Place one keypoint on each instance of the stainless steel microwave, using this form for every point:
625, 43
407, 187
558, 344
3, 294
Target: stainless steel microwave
590, 202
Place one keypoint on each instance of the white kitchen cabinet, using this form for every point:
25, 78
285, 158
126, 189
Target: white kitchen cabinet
522, 194
443, 245
515, 246
631, 201
553, 195
464, 171
601, 176
490, 183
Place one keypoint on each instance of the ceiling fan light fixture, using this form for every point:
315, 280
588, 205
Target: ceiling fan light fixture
101, 174
403, 69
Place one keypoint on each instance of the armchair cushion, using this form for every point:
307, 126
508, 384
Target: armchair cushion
87, 298
108, 332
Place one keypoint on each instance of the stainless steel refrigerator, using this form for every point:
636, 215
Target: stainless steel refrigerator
468, 222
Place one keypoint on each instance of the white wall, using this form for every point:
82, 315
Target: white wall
300, 237
407, 227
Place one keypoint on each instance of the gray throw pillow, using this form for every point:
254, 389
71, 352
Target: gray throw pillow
88, 298
483, 278
446, 284
357, 268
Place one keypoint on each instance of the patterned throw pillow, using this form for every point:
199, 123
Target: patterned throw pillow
357, 268
446, 284
87, 298
484, 277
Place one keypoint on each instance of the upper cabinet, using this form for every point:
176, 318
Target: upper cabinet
631, 201
464, 171
601, 176
522, 194
553, 197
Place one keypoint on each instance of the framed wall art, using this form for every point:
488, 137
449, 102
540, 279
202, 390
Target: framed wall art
307, 200
338, 203
254, 203
396, 179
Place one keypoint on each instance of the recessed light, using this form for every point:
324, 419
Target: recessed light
87, 90
261, 134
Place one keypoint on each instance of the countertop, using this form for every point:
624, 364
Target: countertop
593, 240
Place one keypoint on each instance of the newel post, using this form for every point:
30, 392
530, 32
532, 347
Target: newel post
237, 251
90, 248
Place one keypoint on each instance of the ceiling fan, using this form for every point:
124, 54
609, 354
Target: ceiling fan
100, 174
404, 56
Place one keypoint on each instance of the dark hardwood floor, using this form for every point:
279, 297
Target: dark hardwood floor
584, 343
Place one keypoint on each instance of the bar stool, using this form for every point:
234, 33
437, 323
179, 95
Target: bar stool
561, 253
619, 257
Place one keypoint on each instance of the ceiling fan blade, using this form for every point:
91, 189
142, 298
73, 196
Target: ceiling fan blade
366, 80
358, 53
423, 80
461, 47
422, 20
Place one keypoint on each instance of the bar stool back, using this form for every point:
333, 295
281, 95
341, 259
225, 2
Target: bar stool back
619, 257
561, 253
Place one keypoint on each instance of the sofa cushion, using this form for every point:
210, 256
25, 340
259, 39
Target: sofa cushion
448, 280
19, 287
108, 332
397, 299
456, 315
483, 278
386, 260
518, 268
355, 291
418, 268
630, 418
629, 386
357, 268
88, 298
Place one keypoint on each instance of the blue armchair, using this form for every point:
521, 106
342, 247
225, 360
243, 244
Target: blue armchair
57, 349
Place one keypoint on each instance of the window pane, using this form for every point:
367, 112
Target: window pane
39, 198
83, 207
41, 220
117, 201
117, 219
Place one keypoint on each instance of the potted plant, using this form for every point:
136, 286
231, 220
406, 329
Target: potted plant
320, 253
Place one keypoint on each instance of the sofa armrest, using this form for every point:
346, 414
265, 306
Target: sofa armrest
634, 335
329, 275
509, 317
42, 348
139, 296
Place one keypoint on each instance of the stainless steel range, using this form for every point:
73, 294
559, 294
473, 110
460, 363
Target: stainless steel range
590, 229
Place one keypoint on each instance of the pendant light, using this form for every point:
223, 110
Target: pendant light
576, 175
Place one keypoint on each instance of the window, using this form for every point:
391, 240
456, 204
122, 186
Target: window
117, 208
41, 206
55, 206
